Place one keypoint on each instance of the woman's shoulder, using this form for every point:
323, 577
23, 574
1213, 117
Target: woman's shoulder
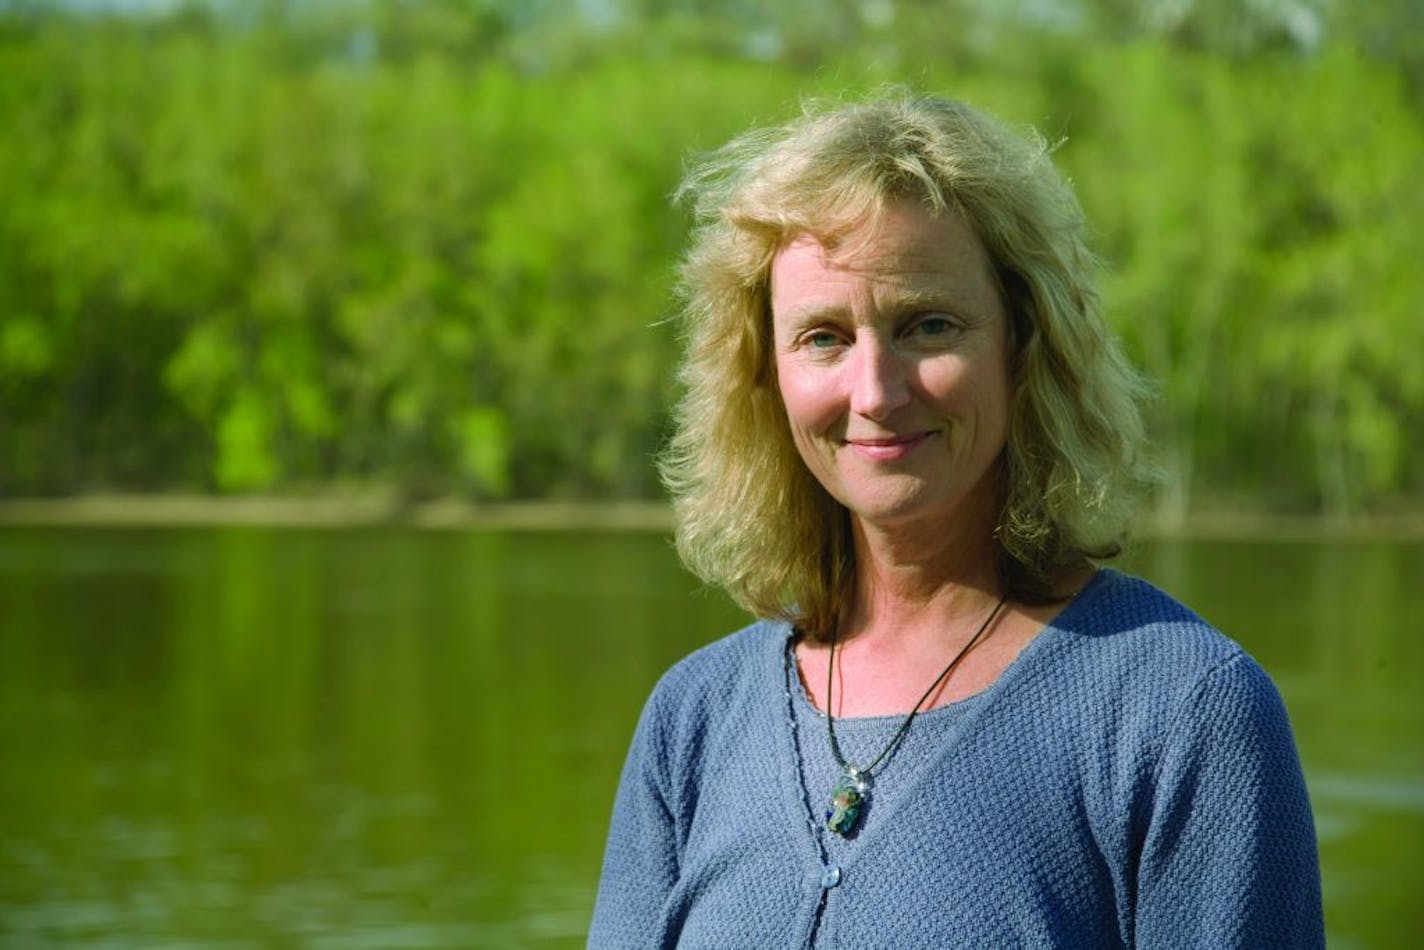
1119, 613
1124, 637
732, 653
718, 675
1128, 660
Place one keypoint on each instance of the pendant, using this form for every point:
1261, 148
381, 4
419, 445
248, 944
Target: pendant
848, 797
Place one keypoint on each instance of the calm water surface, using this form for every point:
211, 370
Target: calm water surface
401, 738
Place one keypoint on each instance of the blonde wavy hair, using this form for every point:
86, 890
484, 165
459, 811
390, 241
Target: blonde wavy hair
750, 516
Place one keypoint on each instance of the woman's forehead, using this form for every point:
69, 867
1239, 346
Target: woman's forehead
902, 238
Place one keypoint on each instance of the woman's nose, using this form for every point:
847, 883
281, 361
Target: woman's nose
880, 382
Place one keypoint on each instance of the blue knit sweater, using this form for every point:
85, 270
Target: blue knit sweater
1130, 780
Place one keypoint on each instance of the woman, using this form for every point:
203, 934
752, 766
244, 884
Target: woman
906, 439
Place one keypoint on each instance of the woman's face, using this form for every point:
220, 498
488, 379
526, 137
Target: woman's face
892, 360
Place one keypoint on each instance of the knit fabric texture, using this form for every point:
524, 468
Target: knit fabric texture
1130, 780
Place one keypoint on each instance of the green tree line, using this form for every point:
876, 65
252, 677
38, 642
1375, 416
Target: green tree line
285, 246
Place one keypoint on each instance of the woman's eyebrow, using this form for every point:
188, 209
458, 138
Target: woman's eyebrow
904, 298
943, 298
811, 313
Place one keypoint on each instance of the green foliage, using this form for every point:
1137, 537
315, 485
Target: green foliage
483, 435
1260, 267
430, 244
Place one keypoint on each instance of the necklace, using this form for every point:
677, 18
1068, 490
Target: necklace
852, 789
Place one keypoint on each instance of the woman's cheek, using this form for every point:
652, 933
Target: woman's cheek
810, 399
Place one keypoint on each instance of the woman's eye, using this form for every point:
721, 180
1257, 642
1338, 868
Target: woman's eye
934, 326
822, 339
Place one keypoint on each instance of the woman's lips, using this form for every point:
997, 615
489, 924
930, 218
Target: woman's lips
888, 449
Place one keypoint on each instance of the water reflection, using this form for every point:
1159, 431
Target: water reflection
1337, 625
399, 738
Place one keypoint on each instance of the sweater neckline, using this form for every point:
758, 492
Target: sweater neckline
803, 700
802, 812
805, 705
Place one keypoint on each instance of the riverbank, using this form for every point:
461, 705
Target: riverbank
334, 511
358, 510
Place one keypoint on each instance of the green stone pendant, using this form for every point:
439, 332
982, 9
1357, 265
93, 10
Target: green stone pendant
848, 797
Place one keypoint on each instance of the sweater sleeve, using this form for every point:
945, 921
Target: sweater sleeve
640, 861
1229, 858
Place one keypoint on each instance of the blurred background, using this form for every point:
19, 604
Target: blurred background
419, 254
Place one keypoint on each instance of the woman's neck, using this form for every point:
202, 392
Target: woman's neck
919, 598
912, 581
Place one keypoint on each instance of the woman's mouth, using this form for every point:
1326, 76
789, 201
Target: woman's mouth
888, 449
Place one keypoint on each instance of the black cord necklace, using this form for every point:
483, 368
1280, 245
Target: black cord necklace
852, 789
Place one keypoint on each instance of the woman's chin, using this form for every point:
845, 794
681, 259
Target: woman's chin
898, 511
908, 503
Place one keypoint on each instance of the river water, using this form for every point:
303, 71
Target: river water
398, 738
